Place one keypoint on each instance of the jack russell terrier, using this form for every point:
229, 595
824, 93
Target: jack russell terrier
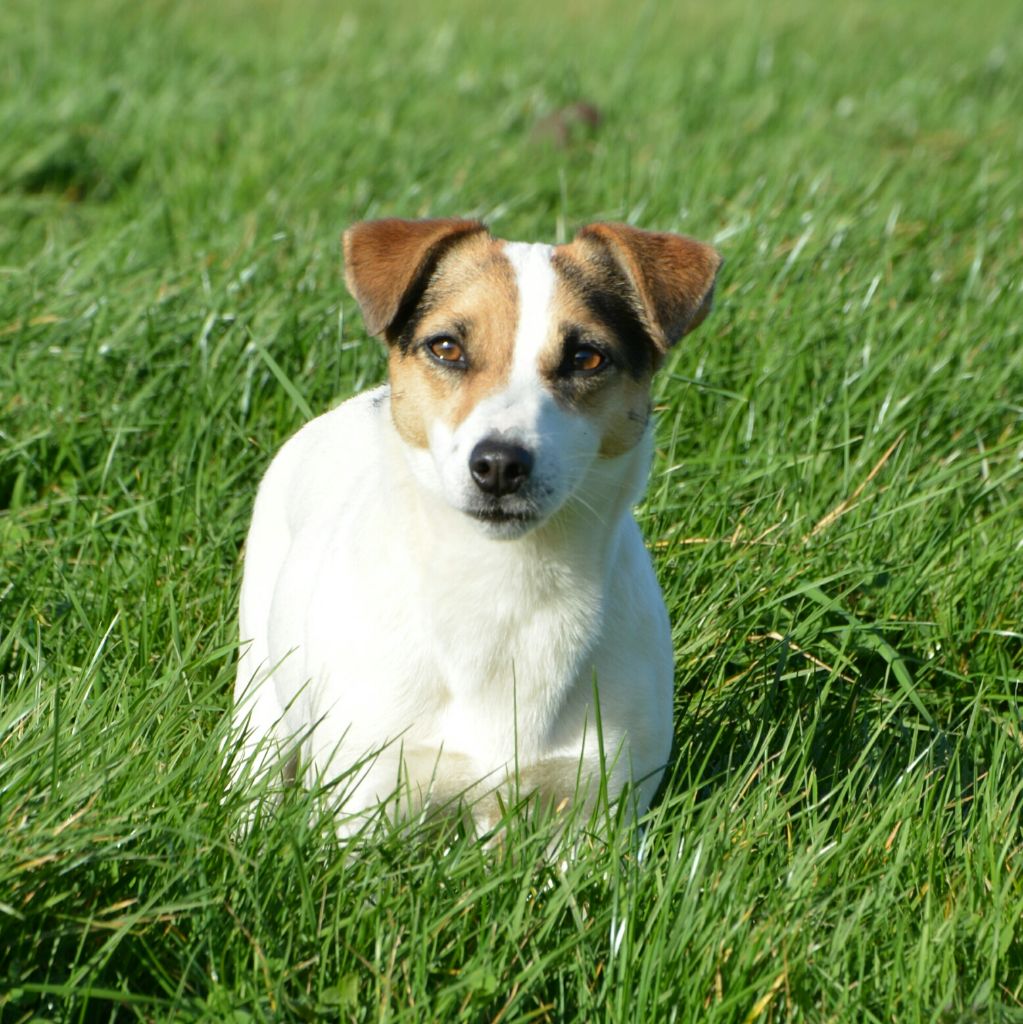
445, 594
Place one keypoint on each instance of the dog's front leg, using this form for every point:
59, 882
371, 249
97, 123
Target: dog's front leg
408, 781
553, 787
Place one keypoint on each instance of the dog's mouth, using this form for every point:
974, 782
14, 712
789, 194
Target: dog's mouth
502, 515
505, 520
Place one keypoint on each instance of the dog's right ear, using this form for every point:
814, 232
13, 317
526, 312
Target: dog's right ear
388, 264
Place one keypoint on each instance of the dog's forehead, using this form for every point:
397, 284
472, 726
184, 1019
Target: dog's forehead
533, 278
530, 261
536, 285
562, 288
496, 263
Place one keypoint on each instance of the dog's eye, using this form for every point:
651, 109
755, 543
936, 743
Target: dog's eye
446, 350
587, 359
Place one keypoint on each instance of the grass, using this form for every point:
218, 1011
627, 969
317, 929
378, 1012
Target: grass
836, 510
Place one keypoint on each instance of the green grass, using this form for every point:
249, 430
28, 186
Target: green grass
836, 510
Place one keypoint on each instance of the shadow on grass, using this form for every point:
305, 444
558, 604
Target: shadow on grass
821, 735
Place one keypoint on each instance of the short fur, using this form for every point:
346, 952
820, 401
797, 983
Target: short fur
402, 599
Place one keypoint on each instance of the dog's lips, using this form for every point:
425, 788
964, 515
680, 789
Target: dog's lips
503, 513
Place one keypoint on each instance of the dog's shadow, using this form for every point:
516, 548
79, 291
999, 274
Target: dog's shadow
805, 729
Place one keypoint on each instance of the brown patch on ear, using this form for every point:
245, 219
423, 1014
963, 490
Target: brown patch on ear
672, 276
388, 263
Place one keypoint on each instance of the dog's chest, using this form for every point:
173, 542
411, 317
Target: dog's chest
429, 642
512, 633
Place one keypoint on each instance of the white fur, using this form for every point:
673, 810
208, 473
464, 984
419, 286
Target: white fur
377, 616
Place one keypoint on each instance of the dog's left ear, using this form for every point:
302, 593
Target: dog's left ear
672, 276
389, 262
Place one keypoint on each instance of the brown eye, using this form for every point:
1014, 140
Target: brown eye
586, 359
446, 350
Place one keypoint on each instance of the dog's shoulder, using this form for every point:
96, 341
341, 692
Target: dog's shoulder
333, 455
343, 433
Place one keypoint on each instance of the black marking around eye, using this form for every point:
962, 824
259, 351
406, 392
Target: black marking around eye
574, 340
607, 297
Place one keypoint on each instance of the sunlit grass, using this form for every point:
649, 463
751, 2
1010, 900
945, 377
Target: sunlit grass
836, 510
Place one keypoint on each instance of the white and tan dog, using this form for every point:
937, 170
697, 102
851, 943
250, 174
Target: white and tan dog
444, 572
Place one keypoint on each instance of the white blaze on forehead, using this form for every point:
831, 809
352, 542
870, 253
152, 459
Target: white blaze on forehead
535, 281
521, 410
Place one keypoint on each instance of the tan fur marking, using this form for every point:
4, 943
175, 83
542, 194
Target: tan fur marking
473, 298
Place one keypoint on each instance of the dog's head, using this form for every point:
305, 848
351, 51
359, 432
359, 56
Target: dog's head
515, 366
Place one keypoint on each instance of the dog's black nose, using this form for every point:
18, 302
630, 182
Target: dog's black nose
500, 468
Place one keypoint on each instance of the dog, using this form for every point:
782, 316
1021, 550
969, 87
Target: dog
446, 598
